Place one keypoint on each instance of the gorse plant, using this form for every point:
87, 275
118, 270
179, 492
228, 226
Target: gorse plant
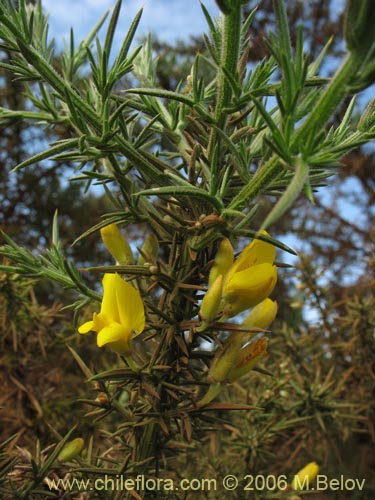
190, 168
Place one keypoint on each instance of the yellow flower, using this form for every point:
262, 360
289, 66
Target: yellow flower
251, 278
117, 245
121, 316
305, 476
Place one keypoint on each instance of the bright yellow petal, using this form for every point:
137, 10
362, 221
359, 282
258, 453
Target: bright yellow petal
100, 321
109, 302
252, 281
117, 244
129, 306
112, 333
257, 252
116, 337
249, 288
86, 327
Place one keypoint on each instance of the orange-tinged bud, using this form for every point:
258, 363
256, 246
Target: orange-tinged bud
305, 476
71, 450
210, 304
247, 358
117, 245
262, 314
222, 262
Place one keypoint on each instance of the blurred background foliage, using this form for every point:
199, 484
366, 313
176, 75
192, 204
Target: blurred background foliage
318, 405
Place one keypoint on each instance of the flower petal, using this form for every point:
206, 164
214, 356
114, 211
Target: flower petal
109, 303
129, 306
247, 288
251, 281
86, 327
117, 245
257, 252
116, 337
114, 334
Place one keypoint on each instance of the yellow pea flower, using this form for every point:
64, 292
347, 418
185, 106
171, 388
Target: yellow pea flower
121, 315
251, 278
117, 245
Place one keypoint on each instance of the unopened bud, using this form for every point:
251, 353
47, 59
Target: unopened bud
71, 450
189, 84
149, 249
247, 359
117, 245
222, 262
225, 358
305, 476
367, 120
210, 304
262, 314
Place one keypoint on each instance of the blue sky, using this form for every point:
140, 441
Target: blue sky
170, 20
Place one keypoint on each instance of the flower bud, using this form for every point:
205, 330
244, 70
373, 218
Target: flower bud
117, 245
247, 358
149, 249
225, 358
210, 304
71, 450
367, 120
262, 314
305, 476
222, 262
